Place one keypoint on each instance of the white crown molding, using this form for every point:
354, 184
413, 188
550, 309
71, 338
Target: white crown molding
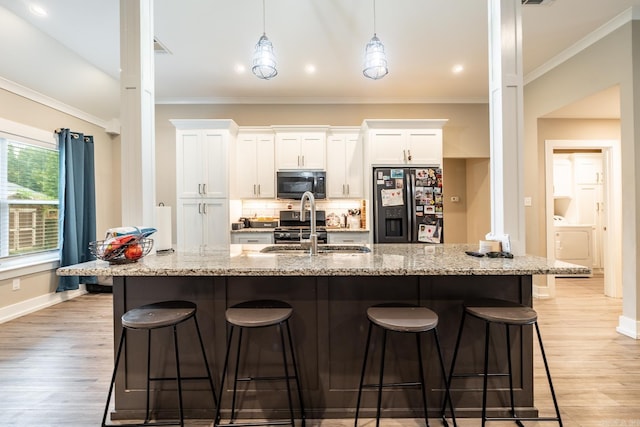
323, 101
601, 32
52, 103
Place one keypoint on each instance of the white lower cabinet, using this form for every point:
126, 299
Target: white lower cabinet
347, 237
248, 238
202, 222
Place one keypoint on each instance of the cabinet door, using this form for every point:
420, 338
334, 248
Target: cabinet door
215, 214
252, 238
336, 167
424, 147
214, 152
246, 173
189, 223
347, 237
313, 151
588, 168
288, 152
387, 147
353, 168
265, 166
190, 164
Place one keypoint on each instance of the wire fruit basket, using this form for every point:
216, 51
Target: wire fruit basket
121, 250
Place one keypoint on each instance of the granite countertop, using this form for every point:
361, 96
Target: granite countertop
383, 260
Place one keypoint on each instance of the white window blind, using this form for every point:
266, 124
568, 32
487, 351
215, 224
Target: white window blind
28, 196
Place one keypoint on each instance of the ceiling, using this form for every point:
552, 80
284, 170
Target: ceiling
208, 39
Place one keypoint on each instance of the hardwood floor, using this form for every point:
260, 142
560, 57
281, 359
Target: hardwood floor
55, 364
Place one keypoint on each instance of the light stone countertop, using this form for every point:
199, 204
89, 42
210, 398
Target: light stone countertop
383, 260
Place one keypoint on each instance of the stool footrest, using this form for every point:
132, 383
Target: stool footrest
516, 419
257, 423
175, 378
147, 424
479, 374
386, 385
246, 379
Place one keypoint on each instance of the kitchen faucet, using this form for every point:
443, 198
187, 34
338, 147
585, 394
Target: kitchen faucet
312, 243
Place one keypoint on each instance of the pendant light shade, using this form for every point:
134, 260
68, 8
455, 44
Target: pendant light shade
375, 60
264, 60
263, 64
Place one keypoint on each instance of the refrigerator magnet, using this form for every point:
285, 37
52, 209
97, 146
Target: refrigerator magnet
397, 173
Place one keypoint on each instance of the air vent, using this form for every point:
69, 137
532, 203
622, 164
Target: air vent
159, 48
537, 2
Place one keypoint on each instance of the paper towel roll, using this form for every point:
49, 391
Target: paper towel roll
162, 237
488, 246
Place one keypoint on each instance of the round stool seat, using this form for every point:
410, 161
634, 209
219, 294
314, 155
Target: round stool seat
158, 315
403, 318
500, 311
255, 314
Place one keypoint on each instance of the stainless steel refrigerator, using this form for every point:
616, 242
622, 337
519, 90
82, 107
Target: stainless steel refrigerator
407, 205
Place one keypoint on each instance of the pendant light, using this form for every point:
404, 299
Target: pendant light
264, 60
375, 60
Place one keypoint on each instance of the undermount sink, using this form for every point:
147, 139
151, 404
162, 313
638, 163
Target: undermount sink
322, 249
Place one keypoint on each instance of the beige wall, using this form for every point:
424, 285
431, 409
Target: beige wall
466, 135
27, 112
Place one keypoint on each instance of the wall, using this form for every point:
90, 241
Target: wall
27, 112
466, 135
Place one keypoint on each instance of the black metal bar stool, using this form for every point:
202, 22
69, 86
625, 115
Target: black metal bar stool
155, 316
260, 314
404, 318
492, 311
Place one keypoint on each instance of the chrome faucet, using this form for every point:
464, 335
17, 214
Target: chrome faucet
312, 243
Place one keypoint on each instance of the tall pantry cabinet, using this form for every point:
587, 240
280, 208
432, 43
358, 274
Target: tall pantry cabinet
202, 183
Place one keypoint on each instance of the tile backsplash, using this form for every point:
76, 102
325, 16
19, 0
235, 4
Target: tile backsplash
271, 208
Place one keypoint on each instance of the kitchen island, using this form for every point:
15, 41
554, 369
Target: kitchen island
329, 293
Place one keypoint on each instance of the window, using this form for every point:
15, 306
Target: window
29, 173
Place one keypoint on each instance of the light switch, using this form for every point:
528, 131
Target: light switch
527, 201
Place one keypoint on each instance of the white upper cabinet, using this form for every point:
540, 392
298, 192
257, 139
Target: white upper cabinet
255, 166
344, 166
297, 148
588, 168
404, 142
201, 162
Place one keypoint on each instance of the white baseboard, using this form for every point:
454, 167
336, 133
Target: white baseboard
38, 303
629, 327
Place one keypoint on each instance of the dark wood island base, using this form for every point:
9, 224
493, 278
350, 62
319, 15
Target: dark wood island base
329, 326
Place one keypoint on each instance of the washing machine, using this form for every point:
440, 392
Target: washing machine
574, 243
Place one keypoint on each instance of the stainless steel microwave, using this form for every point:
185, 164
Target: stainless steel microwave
293, 184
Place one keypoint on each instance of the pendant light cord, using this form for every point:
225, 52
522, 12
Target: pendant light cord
374, 17
264, 20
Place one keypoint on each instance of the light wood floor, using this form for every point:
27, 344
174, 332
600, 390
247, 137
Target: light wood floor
55, 364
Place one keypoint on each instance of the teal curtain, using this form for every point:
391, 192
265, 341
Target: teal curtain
77, 204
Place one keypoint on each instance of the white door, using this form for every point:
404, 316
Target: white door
387, 147
424, 147
189, 223
190, 164
215, 215
214, 152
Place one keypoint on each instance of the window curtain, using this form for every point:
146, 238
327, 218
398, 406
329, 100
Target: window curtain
77, 204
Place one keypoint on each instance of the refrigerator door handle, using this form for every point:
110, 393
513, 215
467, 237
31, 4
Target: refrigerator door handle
411, 198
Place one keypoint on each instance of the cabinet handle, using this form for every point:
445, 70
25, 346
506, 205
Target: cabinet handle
303, 160
200, 208
343, 193
409, 157
404, 155
259, 189
199, 188
204, 188
298, 160
254, 190
204, 208
253, 241
348, 190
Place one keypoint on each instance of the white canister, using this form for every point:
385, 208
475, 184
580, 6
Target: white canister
353, 221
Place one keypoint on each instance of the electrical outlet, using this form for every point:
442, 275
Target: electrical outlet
16, 284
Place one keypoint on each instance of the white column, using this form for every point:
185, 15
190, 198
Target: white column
137, 112
506, 121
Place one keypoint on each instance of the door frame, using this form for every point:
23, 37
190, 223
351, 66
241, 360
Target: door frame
612, 238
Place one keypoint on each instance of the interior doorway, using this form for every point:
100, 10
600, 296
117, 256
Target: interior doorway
583, 207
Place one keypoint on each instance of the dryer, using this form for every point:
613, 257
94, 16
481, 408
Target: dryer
574, 244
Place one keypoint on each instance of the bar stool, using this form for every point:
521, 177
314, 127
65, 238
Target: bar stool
403, 318
252, 315
155, 316
492, 311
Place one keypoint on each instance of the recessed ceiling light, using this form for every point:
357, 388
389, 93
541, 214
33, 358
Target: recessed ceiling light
457, 69
37, 10
240, 69
310, 69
